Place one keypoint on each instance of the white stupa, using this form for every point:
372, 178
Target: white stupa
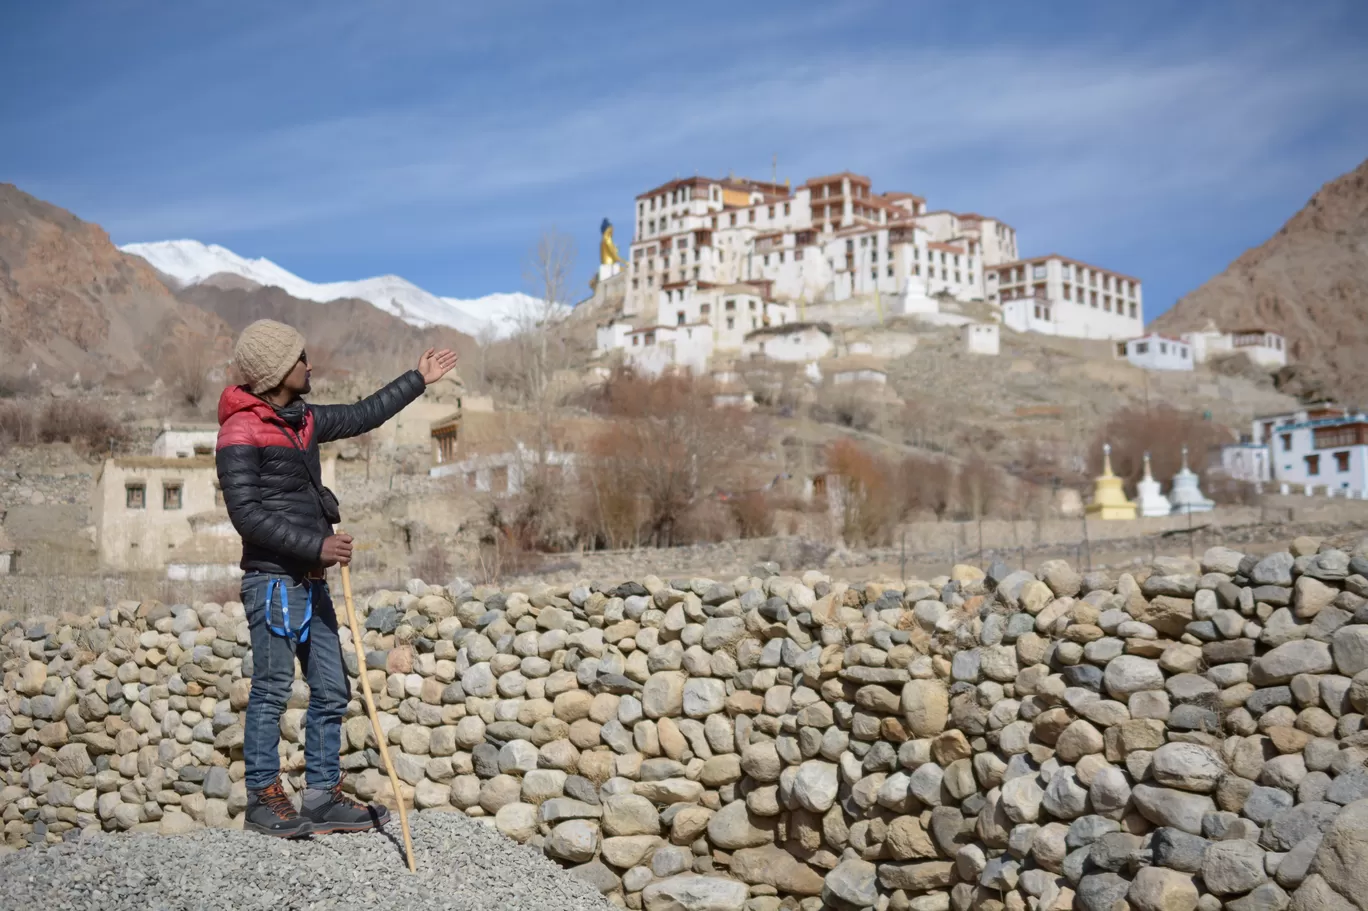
1185, 494
1152, 501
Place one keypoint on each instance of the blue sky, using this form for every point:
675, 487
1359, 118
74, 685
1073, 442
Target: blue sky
435, 140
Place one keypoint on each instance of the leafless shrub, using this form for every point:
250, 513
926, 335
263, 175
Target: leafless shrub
753, 514
1162, 432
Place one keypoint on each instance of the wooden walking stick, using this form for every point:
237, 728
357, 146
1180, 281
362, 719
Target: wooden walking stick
374, 718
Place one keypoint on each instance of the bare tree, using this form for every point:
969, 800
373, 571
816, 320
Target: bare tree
667, 453
540, 347
188, 362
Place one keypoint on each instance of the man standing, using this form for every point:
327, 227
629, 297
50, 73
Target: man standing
269, 472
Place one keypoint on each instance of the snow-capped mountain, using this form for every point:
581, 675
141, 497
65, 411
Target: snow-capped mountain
190, 262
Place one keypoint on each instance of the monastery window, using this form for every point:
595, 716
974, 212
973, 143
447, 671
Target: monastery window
874, 274
752, 305
729, 306
1142, 347
767, 259
650, 337
1342, 461
731, 322
944, 275
733, 219
786, 208
1313, 465
135, 495
873, 256
781, 257
1037, 311
1068, 293
634, 284
1132, 310
636, 340
916, 268
1038, 270
755, 323
1094, 299
771, 211
679, 318
705, 309
957, 277
1106, 303
890, 271
1287, 442
751, 216
1163, 346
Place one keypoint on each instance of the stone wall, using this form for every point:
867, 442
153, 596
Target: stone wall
1186, 736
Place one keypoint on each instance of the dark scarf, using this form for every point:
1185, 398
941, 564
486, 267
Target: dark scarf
292, 414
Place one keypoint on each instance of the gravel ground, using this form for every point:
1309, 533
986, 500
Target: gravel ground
462, 865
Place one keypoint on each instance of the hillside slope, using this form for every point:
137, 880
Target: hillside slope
1309, 282
348, 335
71, 303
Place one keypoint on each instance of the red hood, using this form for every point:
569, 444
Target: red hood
235, 399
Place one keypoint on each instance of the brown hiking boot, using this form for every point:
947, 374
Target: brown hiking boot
270, 812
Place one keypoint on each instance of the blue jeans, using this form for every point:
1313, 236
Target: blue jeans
273, 673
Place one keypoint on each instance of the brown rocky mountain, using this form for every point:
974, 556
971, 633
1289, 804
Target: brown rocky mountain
72, 304
1310, 283
347, 336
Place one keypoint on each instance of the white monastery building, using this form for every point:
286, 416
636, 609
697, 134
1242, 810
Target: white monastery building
1055, 295
1156, 352
714, 260
1267, 349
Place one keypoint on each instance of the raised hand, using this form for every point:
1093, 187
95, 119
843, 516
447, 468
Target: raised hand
434, 364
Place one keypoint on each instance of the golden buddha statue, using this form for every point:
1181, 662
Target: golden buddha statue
608, 251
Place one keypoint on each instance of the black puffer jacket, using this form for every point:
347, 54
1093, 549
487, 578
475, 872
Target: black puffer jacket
266, 469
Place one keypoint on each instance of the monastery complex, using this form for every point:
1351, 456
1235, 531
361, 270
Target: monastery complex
738, 266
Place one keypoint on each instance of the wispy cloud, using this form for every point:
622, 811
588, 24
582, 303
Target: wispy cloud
1094, 148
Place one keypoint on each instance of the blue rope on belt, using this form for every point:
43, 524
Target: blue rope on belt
299, 634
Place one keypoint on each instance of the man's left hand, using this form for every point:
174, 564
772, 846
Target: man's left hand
434, 364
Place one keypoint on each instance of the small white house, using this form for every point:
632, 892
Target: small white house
185, 441
733, 395
981, 338
1246, 462
1329, 452
1267, 349
855, 368
1156, 352
794, 343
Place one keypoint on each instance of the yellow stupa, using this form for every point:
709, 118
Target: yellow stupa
1109, 498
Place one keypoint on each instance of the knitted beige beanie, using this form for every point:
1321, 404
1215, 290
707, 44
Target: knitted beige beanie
266, 352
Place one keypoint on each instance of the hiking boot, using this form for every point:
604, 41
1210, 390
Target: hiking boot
332, 811
270, 812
